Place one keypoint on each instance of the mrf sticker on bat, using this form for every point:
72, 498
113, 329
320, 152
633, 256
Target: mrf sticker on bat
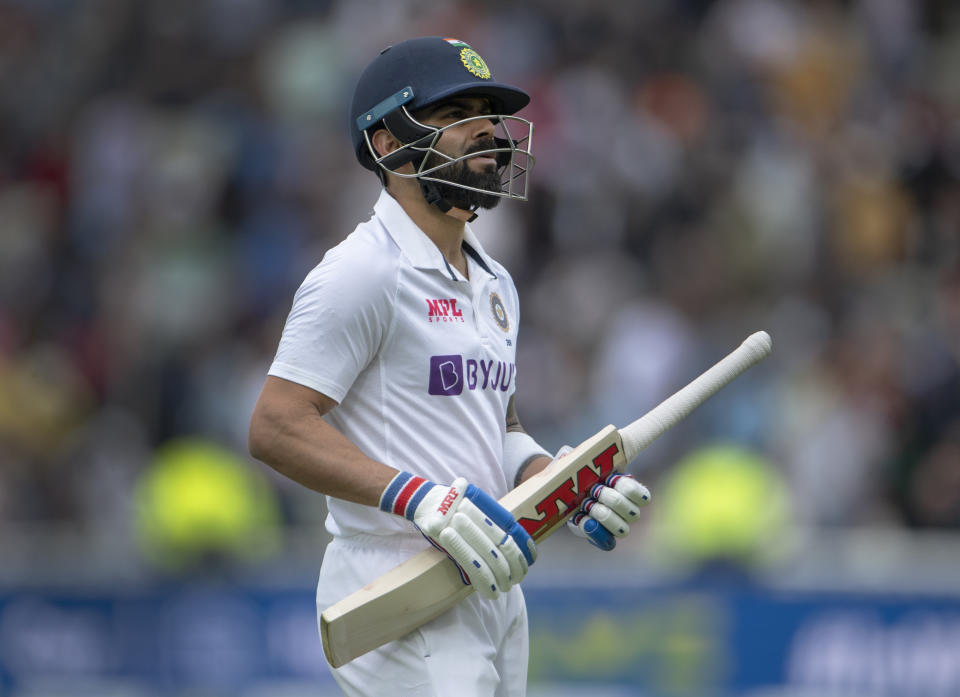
571, 492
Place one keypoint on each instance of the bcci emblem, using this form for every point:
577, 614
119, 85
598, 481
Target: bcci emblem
474, 63
499, 312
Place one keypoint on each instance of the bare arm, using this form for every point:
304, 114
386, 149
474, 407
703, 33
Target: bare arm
534, 464
288, 433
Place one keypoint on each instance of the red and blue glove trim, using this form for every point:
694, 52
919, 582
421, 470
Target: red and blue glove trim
404, 494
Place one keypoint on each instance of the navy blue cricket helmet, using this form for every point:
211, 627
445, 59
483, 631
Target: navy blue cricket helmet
417, 73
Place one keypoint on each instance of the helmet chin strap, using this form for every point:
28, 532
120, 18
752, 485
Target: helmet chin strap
431, 192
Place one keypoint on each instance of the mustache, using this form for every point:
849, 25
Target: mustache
490, 144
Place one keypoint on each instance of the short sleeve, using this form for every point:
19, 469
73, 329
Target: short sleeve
340, 316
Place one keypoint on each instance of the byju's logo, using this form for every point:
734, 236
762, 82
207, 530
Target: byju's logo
449, 375
446, 375
443, 310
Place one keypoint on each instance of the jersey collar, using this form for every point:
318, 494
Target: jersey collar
417, 247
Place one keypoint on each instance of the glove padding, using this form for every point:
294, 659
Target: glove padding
491, 549
604, 515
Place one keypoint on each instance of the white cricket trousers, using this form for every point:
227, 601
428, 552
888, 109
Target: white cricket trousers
479, 648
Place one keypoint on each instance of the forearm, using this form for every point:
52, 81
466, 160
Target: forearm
293, 438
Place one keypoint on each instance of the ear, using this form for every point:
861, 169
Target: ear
383, 142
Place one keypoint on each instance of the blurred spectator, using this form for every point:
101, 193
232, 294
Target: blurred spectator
199, 505
170, 171
722, 507
933, 498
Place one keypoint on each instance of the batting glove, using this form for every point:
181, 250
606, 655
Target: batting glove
604, 514
492, 550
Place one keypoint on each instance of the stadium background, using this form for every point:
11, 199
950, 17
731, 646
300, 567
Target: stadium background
171, 169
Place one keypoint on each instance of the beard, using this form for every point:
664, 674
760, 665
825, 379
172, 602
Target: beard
460, 173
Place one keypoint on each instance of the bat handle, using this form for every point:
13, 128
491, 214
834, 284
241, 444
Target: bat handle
665, 415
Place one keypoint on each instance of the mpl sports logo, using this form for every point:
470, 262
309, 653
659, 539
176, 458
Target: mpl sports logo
443, 310
450, 374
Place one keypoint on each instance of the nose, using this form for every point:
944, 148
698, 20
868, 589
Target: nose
484, 129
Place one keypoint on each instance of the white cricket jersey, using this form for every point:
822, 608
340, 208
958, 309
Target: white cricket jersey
421, 360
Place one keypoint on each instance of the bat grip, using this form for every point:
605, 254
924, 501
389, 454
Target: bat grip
665, 415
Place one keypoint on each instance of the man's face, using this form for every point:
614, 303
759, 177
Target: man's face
473, 136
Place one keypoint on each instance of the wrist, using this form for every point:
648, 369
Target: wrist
404, 493
535, 464
519, 451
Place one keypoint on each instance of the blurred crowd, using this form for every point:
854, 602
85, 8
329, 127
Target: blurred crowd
171, 169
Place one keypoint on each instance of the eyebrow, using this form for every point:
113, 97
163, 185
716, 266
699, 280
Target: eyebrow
484, 107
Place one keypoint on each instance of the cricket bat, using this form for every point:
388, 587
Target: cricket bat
428, 584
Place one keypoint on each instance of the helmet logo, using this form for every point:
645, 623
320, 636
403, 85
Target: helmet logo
474, 63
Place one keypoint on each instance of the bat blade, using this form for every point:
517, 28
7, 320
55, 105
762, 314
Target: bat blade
404, 598
427, 585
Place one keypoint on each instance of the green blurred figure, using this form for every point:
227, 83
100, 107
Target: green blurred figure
722, 509
199, 504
